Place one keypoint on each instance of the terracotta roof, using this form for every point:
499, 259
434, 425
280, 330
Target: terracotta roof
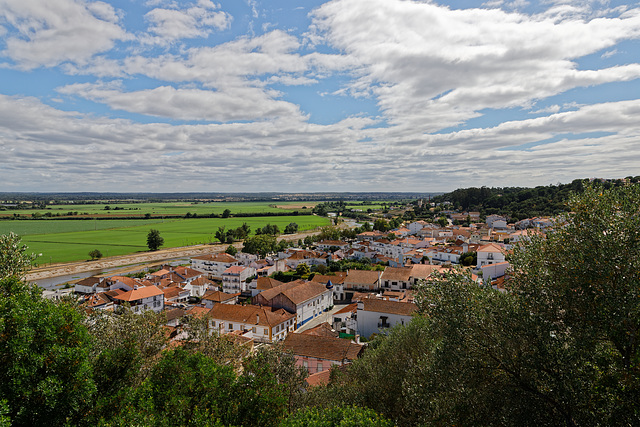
250, 314
362, 277
265, 283
322, 330
201, 281
187, 272
89, 281
338, 279
173, 314
326, 348
332, 243
397, 273
140, 293
235, 269
304, 292
129, 281
491, 247
218, 296
351, 308
197, 311
422, 271
172, 292
390, 307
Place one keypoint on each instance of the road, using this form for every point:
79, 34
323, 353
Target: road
155, 257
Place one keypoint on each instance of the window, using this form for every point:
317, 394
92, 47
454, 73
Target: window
213, 323
231, 326
253, 330
305, 364
266, 331
320, 367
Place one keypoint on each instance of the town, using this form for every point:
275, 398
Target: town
323, 317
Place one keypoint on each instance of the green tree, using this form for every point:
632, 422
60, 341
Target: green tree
261, 244
95, 254
226, 213
45, 374
381, 224
14, 259
292, 228
231, 250
303, 270
154, 240
343, 416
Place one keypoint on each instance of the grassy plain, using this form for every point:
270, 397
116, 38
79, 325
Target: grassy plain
160, 209
129, 236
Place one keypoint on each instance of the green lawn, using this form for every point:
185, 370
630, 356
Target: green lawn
75, 245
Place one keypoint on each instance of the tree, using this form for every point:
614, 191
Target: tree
292, 228
303, 270
95, 254
231, 250
261, 244
45, 374
226, 213
381, 224
14, 259
154, 240
221, 234
344, 416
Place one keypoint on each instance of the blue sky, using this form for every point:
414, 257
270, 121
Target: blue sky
345, 95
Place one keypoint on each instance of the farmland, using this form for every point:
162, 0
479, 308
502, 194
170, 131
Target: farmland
71, 240
160, 209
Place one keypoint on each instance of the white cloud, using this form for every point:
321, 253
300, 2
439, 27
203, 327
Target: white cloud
49, 32
233, 104
198, 21
430, 67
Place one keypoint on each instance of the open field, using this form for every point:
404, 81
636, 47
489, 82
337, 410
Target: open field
75, 245
180, 208
49, 226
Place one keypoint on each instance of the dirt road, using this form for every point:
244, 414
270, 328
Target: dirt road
155, 257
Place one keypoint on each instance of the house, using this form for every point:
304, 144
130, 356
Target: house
175, 294
199, 286
318, 353
87, 285
325, 245
396, 278
336, 282
362, 280
263, 324
142, 298
234, 278
307, 300
376, 315
345, 319
216, 297
493, 271
491, 253
307, 257
213, 264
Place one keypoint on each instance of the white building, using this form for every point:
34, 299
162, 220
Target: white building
214, 264
234, 278
377, 316
142, 298
262, 324
490, 254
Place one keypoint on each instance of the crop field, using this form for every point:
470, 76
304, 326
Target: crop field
131, 237
160, 209
49, 226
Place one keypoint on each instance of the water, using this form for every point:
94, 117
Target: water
52, 283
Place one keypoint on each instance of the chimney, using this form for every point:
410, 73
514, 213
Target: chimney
257, 319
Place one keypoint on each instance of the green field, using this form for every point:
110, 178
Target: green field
74, 244
160, 209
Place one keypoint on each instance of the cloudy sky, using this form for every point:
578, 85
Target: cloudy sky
345, 95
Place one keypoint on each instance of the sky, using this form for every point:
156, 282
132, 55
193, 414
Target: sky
312, 96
